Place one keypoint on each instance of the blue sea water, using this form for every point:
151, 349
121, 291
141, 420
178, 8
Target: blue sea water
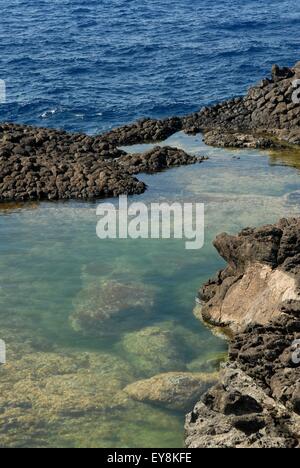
89, 66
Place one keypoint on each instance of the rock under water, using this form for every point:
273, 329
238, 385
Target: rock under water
174, 390
107, 307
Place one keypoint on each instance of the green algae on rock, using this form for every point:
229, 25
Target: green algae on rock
108, 307
65, 398
174, 390
153, 350
209, 363
40, 391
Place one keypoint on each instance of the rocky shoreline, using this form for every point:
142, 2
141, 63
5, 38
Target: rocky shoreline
43, 164
46, 164
255, 301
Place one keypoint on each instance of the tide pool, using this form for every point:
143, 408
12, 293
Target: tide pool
65, 374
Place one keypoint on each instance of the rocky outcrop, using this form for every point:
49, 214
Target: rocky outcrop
255, 300
263, 275
157, 160
269, 112
48, 164
238, 413
39, 164
272, 107
144, 131
175, 390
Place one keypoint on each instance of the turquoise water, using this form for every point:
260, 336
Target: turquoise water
63, 387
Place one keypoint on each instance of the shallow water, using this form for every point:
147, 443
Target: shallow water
63, 388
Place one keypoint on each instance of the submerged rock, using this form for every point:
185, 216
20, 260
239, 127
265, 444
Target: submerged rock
70, 399
174, 390
41, 393
153, 350
108, 307
208, 363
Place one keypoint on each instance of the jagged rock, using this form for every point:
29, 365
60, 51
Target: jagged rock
263, 273
37, 164
270, 108
256, 402
174, 390
157, 159
279, 74
144, 131
237, 413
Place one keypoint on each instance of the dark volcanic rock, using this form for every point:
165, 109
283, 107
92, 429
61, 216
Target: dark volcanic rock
144, 131
47, 164
157, 159
239, 413
257, 400
37, 164
271, 106
240, 140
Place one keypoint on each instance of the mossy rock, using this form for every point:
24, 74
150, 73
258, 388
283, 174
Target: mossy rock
208, 363
153, 350
109, 307
176, 390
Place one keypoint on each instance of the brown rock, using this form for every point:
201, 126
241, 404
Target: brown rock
175, 390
